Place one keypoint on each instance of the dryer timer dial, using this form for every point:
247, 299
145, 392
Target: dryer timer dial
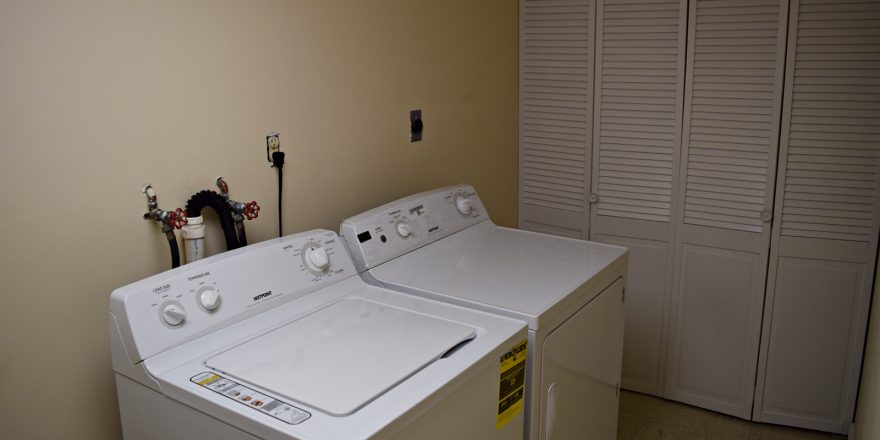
464, 204
404, 229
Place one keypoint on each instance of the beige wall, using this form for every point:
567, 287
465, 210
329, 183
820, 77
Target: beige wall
99, 97
867, 420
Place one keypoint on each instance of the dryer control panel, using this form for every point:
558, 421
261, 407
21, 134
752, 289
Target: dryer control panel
178, 305
396, 228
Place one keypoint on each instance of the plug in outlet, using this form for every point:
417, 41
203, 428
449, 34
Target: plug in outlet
273, 144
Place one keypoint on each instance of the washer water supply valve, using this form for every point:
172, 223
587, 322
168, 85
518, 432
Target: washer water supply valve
170, 221
238, 211
249, 210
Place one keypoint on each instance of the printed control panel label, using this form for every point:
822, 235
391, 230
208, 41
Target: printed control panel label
512, 383
233, 390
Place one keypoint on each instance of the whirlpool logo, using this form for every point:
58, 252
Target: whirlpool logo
263, 295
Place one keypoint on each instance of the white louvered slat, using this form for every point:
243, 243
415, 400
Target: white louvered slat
735, 94
556, 110
637, 110
834, 139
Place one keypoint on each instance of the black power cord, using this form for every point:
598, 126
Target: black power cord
278, 163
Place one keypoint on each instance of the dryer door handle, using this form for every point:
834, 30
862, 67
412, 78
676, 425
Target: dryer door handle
550, 411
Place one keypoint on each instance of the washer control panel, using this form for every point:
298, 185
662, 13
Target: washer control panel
255, 400
171, 307
394, 229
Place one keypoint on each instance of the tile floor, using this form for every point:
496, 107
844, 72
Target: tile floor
645, 417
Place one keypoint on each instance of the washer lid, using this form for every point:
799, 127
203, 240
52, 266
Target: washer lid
343, 356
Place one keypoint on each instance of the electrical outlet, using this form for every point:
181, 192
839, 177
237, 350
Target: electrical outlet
273, 144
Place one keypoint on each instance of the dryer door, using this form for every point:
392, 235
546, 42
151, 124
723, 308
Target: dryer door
581, 371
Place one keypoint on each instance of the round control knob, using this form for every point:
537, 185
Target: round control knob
173, 314
209, 299
464, 204
316, 258
404, 229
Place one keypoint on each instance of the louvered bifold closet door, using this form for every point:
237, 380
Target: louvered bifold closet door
556, 104
824, 247
733, 101
636, 145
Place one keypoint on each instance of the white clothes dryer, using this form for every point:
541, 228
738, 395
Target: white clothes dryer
282, 340
442, 245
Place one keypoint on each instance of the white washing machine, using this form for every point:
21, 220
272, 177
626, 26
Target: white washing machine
282, 340
442, 245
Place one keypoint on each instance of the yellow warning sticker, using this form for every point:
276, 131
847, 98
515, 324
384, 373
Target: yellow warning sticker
512, 385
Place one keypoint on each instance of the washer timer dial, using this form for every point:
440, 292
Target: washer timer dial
315, 257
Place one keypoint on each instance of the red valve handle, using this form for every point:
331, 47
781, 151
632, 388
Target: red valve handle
251, 210
176, 219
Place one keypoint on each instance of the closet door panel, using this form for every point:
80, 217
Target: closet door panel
645, 310
733, 95
825, 244
714, 362
556, 104
550, 220
636, 144
812, 320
